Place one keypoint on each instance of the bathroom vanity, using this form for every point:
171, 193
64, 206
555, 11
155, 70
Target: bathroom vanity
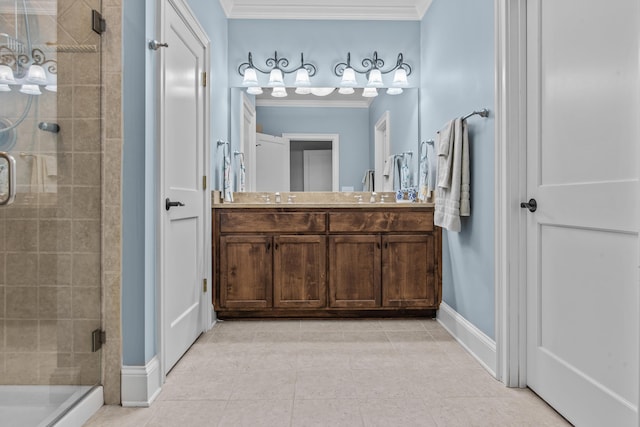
331, 259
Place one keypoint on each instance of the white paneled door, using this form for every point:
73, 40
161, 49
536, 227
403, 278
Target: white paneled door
583, 139
182, 124
273, 163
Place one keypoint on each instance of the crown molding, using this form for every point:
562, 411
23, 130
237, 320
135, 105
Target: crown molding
397, 10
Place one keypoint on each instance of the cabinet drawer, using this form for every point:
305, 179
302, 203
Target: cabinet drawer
272, 222
380, 222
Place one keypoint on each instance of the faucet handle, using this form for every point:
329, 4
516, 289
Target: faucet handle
290, 198
382, 197
359, 198
266, 198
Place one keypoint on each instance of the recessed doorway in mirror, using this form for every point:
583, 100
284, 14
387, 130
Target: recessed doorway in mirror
351, 119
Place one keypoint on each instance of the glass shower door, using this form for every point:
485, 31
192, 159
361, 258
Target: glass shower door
50, 207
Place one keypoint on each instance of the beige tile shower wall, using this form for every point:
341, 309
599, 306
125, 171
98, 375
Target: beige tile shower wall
50, 242
111, 198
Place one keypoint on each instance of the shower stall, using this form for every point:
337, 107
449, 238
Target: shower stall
50, 208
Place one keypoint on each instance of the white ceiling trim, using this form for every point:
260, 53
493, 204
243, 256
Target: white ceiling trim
400, 10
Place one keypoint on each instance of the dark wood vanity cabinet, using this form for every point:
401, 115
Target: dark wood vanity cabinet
409, 271
286, 262
245, 279
300, 272
354, 271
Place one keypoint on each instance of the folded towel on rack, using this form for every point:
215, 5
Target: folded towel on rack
397, 172
465, 181
368, 180
243, 175
427, 167
44, 174
389, 173
452, 193
405, 176
444, 144
228, 185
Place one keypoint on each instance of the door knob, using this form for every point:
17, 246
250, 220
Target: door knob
168, 204
155, 45
532, 205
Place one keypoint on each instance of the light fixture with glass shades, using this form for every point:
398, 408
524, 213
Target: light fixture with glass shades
276, 68
374, 69
26, 67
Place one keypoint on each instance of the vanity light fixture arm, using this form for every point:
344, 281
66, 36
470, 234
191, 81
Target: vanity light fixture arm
371, 64
277, 63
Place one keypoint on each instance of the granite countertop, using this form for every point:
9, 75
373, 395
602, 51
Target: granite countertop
257, 200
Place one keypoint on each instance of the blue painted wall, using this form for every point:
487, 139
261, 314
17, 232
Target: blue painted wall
457, 78
215, 24
139, 160
138, 312
352, 124
324, 44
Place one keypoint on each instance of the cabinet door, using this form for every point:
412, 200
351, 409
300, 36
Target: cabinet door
409, 276
354, 271
246, 272
299, 275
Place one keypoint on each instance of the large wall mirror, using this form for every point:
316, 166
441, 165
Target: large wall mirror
321, 143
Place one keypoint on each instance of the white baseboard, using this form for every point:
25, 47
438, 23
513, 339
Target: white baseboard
476, 342
141, 384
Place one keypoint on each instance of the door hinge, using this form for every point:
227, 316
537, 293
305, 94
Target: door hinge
98, 337
204, 182
204, 78
98, 23
204, 285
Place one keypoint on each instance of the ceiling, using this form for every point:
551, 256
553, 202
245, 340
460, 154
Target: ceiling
398, 10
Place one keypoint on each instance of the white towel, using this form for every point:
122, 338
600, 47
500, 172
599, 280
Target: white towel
423, 166
427, 182
243, 175
405, 176
228, 185
453, 175
368, 180
44, 174
388, 174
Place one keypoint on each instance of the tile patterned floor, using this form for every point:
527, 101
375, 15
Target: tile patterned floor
331, 373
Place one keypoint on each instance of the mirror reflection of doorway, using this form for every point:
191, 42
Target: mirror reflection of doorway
311, 168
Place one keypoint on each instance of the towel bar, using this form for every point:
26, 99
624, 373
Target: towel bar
482, 113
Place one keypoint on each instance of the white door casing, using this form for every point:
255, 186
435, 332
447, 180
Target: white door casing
272, 163
382, 148
583, 139
248, 140
183, 131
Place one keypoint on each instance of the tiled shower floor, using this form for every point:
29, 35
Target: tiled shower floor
332, 373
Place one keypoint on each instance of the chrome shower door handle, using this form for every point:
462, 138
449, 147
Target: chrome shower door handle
10, 195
